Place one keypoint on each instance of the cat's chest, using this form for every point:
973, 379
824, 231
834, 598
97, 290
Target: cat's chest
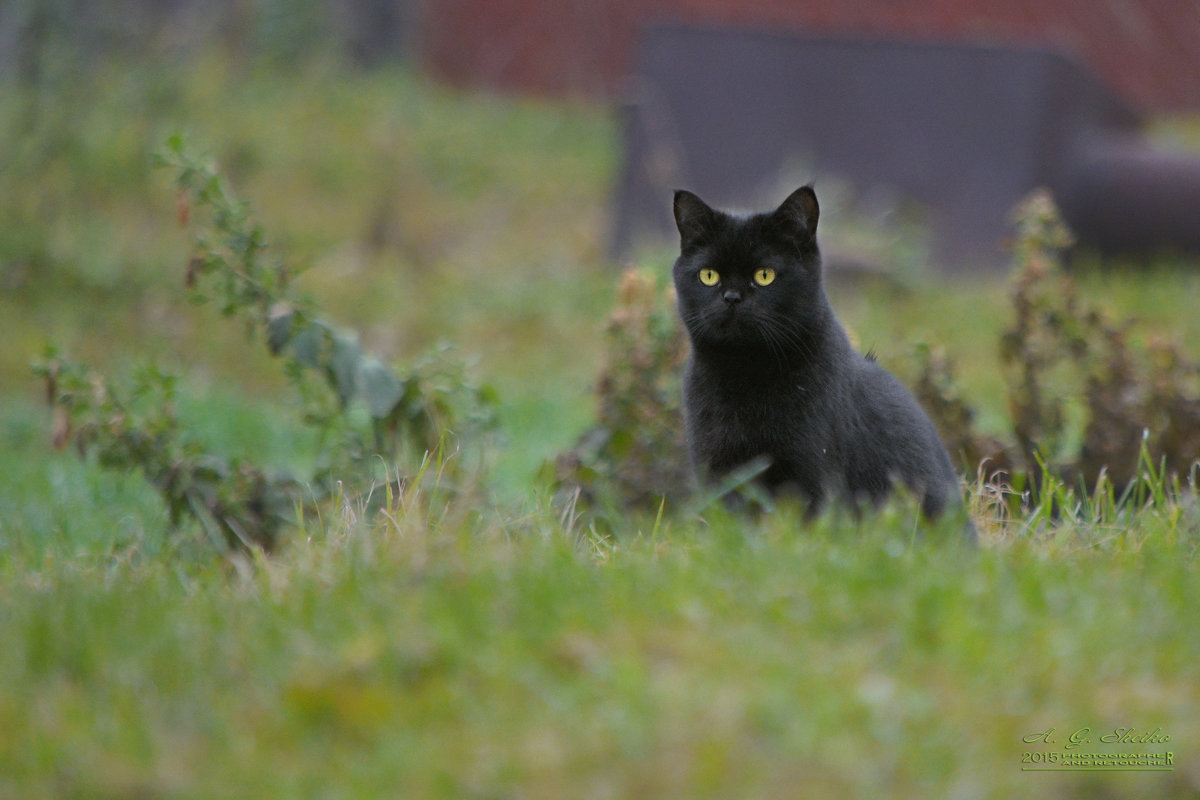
748, 410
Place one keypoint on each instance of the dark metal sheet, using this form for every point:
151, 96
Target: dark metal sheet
965, 130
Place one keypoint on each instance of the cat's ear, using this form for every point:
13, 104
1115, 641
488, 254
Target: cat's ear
694, 219
799, 212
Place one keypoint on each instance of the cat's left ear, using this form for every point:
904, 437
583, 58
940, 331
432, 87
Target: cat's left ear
799, 212
694, 219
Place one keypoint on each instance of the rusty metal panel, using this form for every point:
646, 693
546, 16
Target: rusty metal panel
964, 130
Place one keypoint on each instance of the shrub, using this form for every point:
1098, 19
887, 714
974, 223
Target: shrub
1083, 399
634, 455
364, 409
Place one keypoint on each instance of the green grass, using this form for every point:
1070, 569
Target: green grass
489, 644
462, 655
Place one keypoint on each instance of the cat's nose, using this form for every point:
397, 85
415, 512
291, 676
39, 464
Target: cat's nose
732, 296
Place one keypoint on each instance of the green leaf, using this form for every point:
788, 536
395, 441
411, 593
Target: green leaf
175, 144
279, 326
343, 365
381, 387
308, 344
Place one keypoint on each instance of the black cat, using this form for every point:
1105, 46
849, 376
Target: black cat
772, 377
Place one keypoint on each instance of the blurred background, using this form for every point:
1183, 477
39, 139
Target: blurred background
475, 170
1144, 50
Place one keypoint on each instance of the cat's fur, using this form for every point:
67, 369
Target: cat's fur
773, 378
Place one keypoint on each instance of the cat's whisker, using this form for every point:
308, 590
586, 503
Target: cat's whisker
783, 335
776, 339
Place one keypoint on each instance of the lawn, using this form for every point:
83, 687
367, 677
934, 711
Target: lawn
484, 640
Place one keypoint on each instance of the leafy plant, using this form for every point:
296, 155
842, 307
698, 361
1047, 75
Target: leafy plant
1084, 401
363, 408
938, 392
135, 426
635, 453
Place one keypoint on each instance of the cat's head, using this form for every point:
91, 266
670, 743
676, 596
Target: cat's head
750, 283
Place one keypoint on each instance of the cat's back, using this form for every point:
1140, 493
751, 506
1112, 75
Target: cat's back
893, 432
884, 406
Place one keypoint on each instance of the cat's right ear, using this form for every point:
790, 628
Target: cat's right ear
694, 219
799, 212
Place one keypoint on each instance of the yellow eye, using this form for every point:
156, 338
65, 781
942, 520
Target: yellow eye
764, 276
709, 277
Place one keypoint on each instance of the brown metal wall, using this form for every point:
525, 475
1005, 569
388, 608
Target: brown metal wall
1147, 50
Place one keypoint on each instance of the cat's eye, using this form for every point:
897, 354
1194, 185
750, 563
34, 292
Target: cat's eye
764, 276
709, 277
